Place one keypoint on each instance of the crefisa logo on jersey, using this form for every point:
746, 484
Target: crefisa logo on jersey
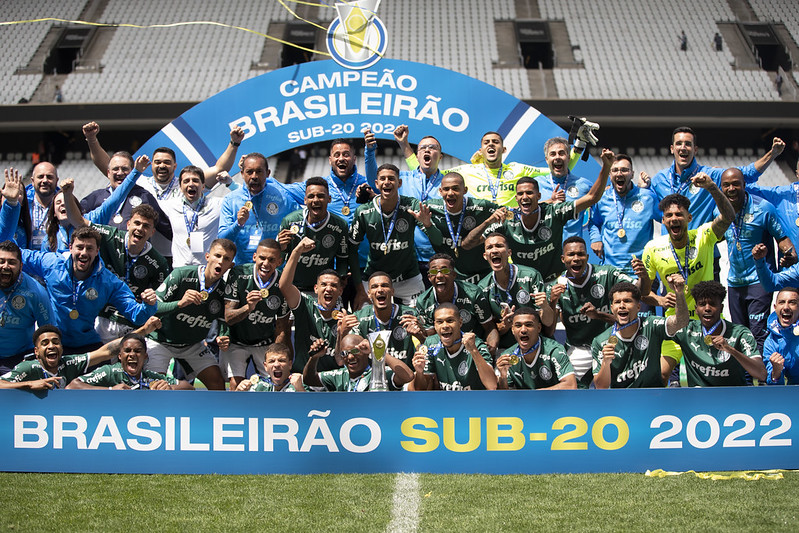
357, 39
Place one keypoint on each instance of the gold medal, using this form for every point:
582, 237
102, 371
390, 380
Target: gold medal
248, 205
613, 340
456, 253
188, 241
117, 219
510, 215
203, 295
422, 349
295, 229
264, 293
514, 359
74, 314
255, 378
336, 314
384, 247
709, 340
738, 245
345, 210
621, 233
797, 221
796, 331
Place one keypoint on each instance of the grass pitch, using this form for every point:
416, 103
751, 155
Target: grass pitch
606, 502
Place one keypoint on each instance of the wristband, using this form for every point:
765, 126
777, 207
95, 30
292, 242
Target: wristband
235, 144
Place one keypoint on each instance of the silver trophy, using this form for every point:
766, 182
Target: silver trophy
379, 342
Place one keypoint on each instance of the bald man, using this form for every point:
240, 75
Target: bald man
41, 191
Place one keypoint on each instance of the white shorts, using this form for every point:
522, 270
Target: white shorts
194, 358
581, 359
405, 291
233, 362
109, 330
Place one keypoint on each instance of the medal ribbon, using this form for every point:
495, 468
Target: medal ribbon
619, 212
710, 331
271, 281
344, 199
683, 270
456, 235
394, 309
676, 181
165, 193
428, 184
511, 281
494, 186
201, 276
195, 215
616, 327
353, 387
387, 235
518, 352
130, 260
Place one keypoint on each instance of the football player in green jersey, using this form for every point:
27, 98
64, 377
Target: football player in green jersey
128, 373
534, 362
451, 359
356, 376
629, 354
256, 313
717, 352
329, 231
535, 229
277, 376
51, 369
317, 316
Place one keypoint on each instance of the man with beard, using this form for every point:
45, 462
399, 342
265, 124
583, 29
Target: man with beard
450, 359
356, 376
277, 376
194, 217
387, 222
317, 316
455, 215
717, 352
582, 297
41, 192
256, 313
629, 355
511, 286
623, 221
383, 314
781, 351
755, 222
23, 304
534, 362
119, 166
535, 230
189, 301
685, 251
163, 184
80, 287
474, 308
253, 212
327, 230
129, 373
52, 369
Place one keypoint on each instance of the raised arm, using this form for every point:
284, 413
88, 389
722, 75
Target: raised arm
286, 284
310, 376
682, 316
777, 146
726, 210
401, 136
100, 157
104, 352
226, 160
598, 188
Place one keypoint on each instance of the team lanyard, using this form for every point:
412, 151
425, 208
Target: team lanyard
191, 225
428, 185
165, 193
353, 384
511, 281
387, 235
394, 309
454, 296
140, 383
682, 186
737, 226
201, 275
130, 260
616, 327
264, 286
683, 270
344, 199
619, 212
312, 225
254, 211
493, 185
456, 235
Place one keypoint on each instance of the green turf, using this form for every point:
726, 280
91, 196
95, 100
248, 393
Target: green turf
607, 502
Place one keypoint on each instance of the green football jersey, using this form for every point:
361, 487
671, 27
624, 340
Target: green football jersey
581, 330
184, 326
468, 263
707, 366
331, 250
524, 283
70, 367
267, 385
470, 300
542, 245
637, 362
455, 371
146, 271
340, 380
400, 343
309, 325
110, 375
397, 254
551, 364
258, 327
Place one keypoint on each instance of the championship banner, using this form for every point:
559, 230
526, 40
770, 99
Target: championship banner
322, 101
491, 432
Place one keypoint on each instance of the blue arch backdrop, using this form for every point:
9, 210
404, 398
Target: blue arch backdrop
321, 100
